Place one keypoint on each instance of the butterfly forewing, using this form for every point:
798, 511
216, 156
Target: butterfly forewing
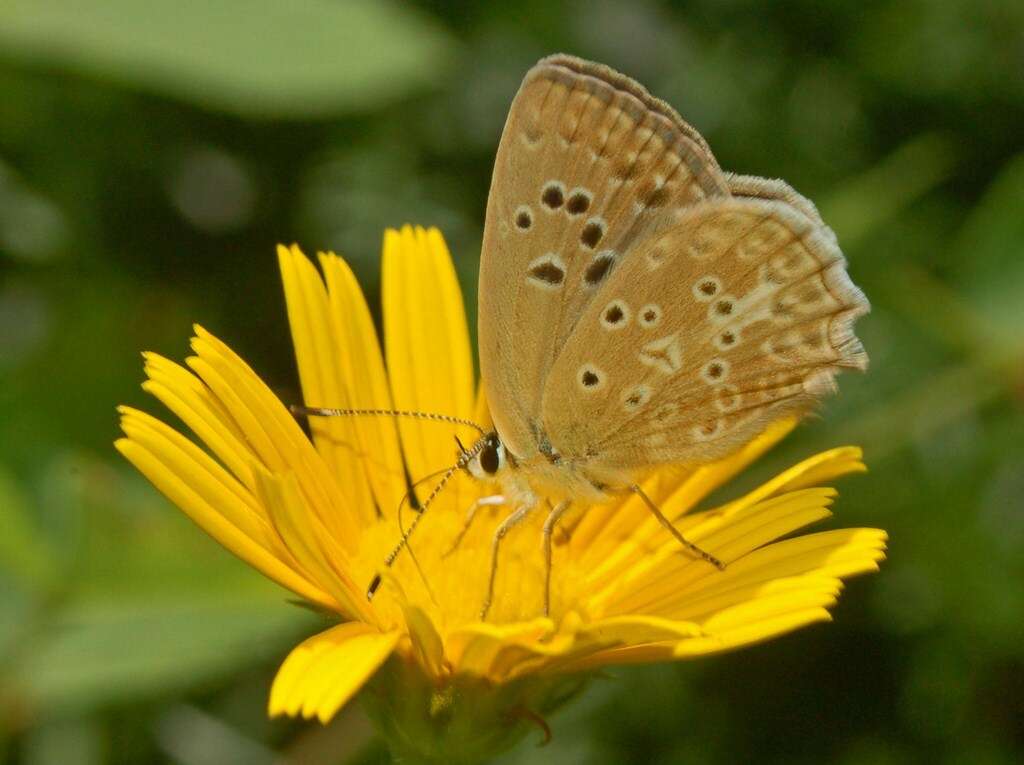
589, 165
737, 314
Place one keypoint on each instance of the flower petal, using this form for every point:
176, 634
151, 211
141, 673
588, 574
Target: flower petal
634, 629
178, 488
676, 493
204, 475
307, 540
646, 534
426, 643
427, 348
321, 674
474, 648
362, 366
185, 395
669, 574
272, 432
317, 351
752, 632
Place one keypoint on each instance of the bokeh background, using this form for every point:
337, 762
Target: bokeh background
152, 154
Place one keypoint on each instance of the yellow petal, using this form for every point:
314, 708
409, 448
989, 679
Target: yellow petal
690, 486
317, 352
632, 654
645, 532
307, 540
234, 455
427, 349
658, 578
177, 490
362, 366
321, 674
634, 629
474, 648
272, 431
426, 643
185, 395
202, 474
750, 633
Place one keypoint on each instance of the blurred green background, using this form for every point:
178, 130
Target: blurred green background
152, 154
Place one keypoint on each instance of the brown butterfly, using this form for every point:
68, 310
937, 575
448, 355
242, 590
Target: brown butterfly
639, 307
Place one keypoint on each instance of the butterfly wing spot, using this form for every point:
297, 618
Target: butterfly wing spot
715, 371
578, 202
615, 315
656, 257
552, 196
728, 398
722, 309
599, 268
767, 236
810, 294
705, 288
531, 137
708, 430
590, 378
635, 397
592, 233
546, 272
727, 339
701, 246
793, 260
524, 218
815, 337
649, 316
664, 354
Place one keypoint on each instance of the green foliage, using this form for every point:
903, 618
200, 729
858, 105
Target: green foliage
259, 58
153, 153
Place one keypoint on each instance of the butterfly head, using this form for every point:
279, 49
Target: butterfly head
486, 458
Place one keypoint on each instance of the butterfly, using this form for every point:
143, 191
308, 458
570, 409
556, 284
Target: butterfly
638, 306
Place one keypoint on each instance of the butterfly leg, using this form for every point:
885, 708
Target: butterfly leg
492, 501
549, 526
667, 524
506, 525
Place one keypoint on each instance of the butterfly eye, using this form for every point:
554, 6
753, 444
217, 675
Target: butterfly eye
492, 456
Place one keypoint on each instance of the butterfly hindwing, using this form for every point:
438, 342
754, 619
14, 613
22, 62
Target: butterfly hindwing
589, 165
739, 313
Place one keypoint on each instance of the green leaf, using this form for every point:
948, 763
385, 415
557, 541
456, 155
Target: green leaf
24, 553
98, 654
990, 246
253, 57
871, 200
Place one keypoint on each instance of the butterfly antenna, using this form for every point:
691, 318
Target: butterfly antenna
323, 411
404, 541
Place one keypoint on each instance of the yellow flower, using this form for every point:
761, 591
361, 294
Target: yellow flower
318, 517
